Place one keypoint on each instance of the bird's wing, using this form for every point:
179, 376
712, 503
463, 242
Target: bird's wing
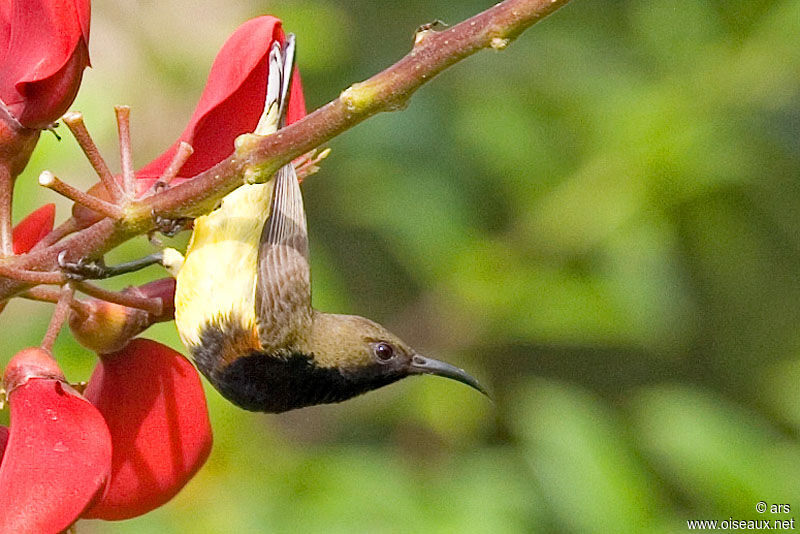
283, 288
283, 285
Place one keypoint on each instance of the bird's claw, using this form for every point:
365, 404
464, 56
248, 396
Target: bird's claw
82, 269
171, 227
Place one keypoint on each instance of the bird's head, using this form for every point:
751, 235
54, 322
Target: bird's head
368, 356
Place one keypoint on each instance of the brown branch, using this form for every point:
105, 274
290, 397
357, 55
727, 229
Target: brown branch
17, 273
59, 232
60, 314
42, 294
51, 295
386, 91
152, 306
30, 276
74, 121
49, 180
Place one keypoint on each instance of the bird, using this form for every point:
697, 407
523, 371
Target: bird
243, 297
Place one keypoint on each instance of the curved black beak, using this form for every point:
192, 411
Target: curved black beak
422, 365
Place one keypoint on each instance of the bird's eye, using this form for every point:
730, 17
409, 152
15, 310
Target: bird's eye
383, 351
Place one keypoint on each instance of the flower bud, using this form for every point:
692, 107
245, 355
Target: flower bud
27, 364
164, 289
106, 327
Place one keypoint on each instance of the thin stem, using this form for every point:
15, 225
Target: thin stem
6, 195
183, 153
74, 121
50, 294
49, 180
42, 294
60, 315
31, 277
308, 163
58, 233
123, 298
125, 151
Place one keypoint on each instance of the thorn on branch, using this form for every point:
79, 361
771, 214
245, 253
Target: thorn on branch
499, 43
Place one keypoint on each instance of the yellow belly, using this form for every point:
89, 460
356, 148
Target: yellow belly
217, 281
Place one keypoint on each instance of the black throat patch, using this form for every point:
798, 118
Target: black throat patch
262, 382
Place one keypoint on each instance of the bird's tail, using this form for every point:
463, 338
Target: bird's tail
279, 77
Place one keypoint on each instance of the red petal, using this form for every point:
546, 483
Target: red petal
58, 455
155, 408
33, 228
3, 441
44, 58
296, 109
232, 101
5, 24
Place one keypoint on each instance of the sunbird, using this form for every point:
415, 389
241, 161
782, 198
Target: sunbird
243, 297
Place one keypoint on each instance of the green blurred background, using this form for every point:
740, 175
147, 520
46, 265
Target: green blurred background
602, 223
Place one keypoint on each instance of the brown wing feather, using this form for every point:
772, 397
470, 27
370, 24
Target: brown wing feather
283, 286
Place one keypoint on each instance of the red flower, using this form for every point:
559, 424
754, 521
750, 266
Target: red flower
232, 101
154, 432
43, 52
155, 407
58, 456
152, 400
33, 228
